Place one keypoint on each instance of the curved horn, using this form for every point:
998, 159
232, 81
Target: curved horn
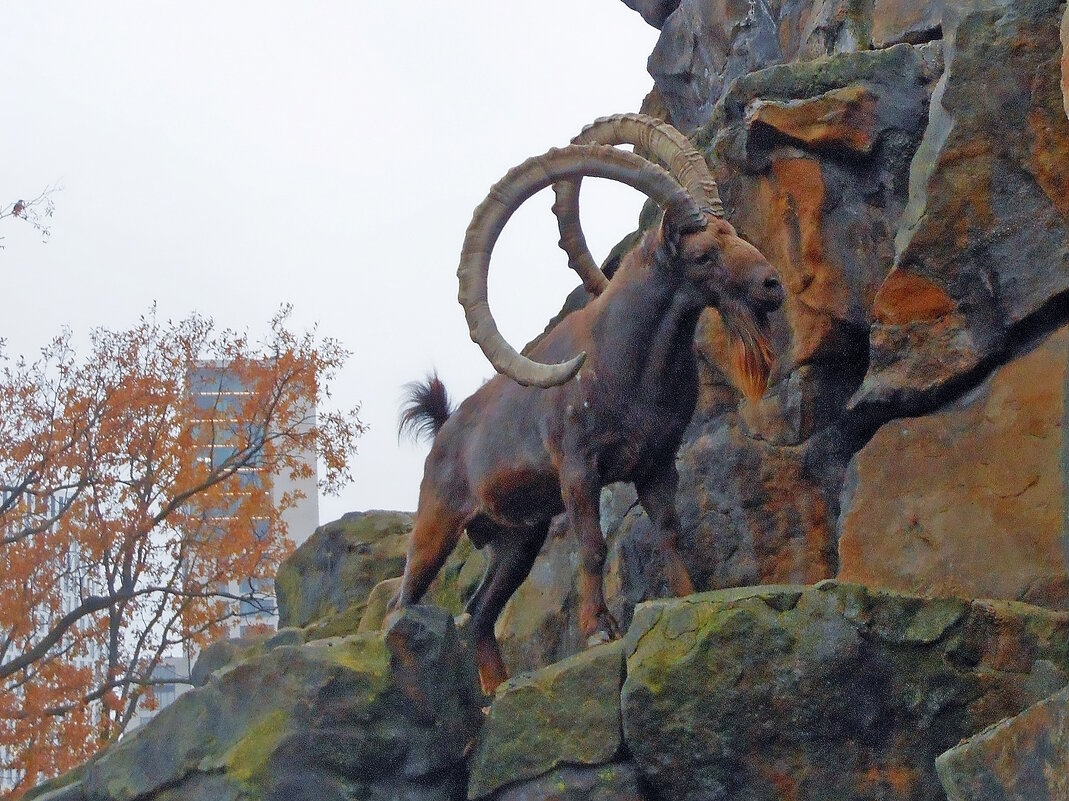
657, 141
507, 195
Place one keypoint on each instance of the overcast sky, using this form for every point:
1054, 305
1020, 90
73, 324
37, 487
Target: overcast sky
228, 157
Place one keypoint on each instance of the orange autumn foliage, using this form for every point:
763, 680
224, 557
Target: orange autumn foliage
132, 502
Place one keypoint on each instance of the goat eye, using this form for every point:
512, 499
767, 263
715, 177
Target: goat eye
705, 258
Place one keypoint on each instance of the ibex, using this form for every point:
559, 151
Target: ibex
555, 427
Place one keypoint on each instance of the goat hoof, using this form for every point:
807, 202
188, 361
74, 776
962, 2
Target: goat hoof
597, 638
606, 630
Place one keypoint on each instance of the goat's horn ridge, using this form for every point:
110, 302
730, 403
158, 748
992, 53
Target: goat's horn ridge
507, 195
653, 139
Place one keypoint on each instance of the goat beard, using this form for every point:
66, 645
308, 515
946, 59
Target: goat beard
751, 355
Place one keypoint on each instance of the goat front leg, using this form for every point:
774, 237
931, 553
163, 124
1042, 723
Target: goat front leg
657, 493
581, 498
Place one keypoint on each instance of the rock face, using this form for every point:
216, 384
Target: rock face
366, 716
988, 219
1020, 759
764, 693
913, 200
566, 714
343, 560
826, 692
704, 46
905, 167
982, 476
814, 168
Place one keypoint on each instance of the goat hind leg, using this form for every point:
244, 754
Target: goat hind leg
433, 538
512, 553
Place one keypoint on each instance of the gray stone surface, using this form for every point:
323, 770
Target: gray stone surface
826, 692
1024, 758
565, 714
377, 716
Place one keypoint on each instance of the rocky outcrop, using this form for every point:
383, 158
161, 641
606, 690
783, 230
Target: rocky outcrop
1020, 759
986, 230
826, 692
341, 563
905, 166
833, 158
764, 693
382, 716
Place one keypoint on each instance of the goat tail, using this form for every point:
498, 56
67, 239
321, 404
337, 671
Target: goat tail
425, 408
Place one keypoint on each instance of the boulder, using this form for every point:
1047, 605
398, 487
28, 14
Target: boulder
339, 581
377, 602
984, 475
565, 714
222, 654
1024, 758
339, 565
369, 716
832, 691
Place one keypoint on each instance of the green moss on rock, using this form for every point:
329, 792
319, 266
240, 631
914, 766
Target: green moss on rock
565, 714
834, 691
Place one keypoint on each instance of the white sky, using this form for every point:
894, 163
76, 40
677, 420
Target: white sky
227, 157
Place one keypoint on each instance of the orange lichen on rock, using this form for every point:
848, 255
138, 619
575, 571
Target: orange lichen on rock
901, 780
906, 297
937, 496
840, 118
1049, 154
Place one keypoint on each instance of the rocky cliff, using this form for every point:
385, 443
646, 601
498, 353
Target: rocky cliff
905, 165
902, 484
764, 693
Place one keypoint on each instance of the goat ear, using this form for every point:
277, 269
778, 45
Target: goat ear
671, 236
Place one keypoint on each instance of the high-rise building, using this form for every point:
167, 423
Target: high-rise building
216, 389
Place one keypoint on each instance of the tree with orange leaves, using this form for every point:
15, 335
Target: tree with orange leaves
131, 506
